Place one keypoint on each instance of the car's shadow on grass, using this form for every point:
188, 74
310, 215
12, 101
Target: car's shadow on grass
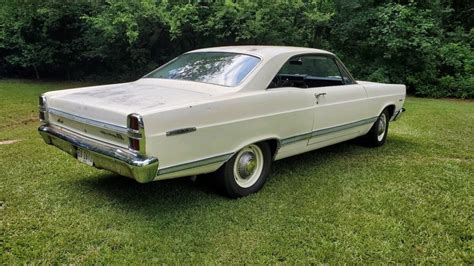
170, 195
352, 149
164, 195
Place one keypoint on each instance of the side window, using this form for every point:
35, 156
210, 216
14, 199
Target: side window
345, 75
308, 71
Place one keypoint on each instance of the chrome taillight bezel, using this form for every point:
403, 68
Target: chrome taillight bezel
136, 133
43, 109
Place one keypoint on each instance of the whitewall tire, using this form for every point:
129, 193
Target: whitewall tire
378, 133
247, 170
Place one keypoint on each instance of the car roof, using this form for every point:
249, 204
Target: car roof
263, 51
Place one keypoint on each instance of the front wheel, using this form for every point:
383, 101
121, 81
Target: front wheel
378, 133
246, 172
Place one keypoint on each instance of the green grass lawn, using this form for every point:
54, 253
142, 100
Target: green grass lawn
411, 200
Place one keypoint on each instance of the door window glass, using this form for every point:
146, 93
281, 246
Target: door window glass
308, 72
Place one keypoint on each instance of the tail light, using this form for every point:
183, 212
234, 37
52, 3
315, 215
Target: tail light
133, 123
136, 133
42, 101
134, 144
43, 113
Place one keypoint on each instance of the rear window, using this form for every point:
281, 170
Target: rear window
221, 68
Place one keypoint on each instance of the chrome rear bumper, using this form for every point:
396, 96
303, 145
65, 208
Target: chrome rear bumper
119, 160
398, 114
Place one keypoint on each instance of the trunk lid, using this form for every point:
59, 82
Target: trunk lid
111, 103
101, 111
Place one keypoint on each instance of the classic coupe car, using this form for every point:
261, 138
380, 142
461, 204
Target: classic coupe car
230, 110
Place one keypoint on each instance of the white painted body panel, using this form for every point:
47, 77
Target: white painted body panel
227, 118
381, 95
340, 105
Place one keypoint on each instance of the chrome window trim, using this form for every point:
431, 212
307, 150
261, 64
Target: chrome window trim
344, 69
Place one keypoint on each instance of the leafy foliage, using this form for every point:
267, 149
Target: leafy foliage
42, 36
424, 44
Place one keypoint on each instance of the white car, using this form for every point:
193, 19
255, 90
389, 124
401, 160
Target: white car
232, 109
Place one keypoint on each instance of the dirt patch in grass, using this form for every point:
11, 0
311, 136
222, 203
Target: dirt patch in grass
11, 141
20, 122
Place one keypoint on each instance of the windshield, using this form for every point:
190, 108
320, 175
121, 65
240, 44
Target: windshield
227, 69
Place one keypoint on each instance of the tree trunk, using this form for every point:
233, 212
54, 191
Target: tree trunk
36, 72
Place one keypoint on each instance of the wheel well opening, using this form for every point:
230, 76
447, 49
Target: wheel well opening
391, 110
274, 144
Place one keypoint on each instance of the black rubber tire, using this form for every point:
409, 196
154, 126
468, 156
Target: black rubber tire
225, 175
371, 138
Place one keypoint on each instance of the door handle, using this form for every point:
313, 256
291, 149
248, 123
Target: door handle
317, 95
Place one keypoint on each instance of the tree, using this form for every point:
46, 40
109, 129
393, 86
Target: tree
425, 44
44, 36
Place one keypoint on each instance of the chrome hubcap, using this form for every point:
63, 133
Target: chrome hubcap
248, 166
381, 127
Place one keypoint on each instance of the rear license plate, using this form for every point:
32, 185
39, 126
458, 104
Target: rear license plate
84, 157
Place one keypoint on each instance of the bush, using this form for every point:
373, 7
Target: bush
426, 45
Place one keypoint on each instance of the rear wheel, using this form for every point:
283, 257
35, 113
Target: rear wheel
378, 133
246, 172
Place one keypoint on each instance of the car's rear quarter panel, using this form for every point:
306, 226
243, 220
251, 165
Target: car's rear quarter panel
224, 126
381, 95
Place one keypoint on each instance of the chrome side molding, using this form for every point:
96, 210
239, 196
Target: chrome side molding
180, 131
88, 121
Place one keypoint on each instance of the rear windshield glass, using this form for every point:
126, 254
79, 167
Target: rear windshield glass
221, 68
